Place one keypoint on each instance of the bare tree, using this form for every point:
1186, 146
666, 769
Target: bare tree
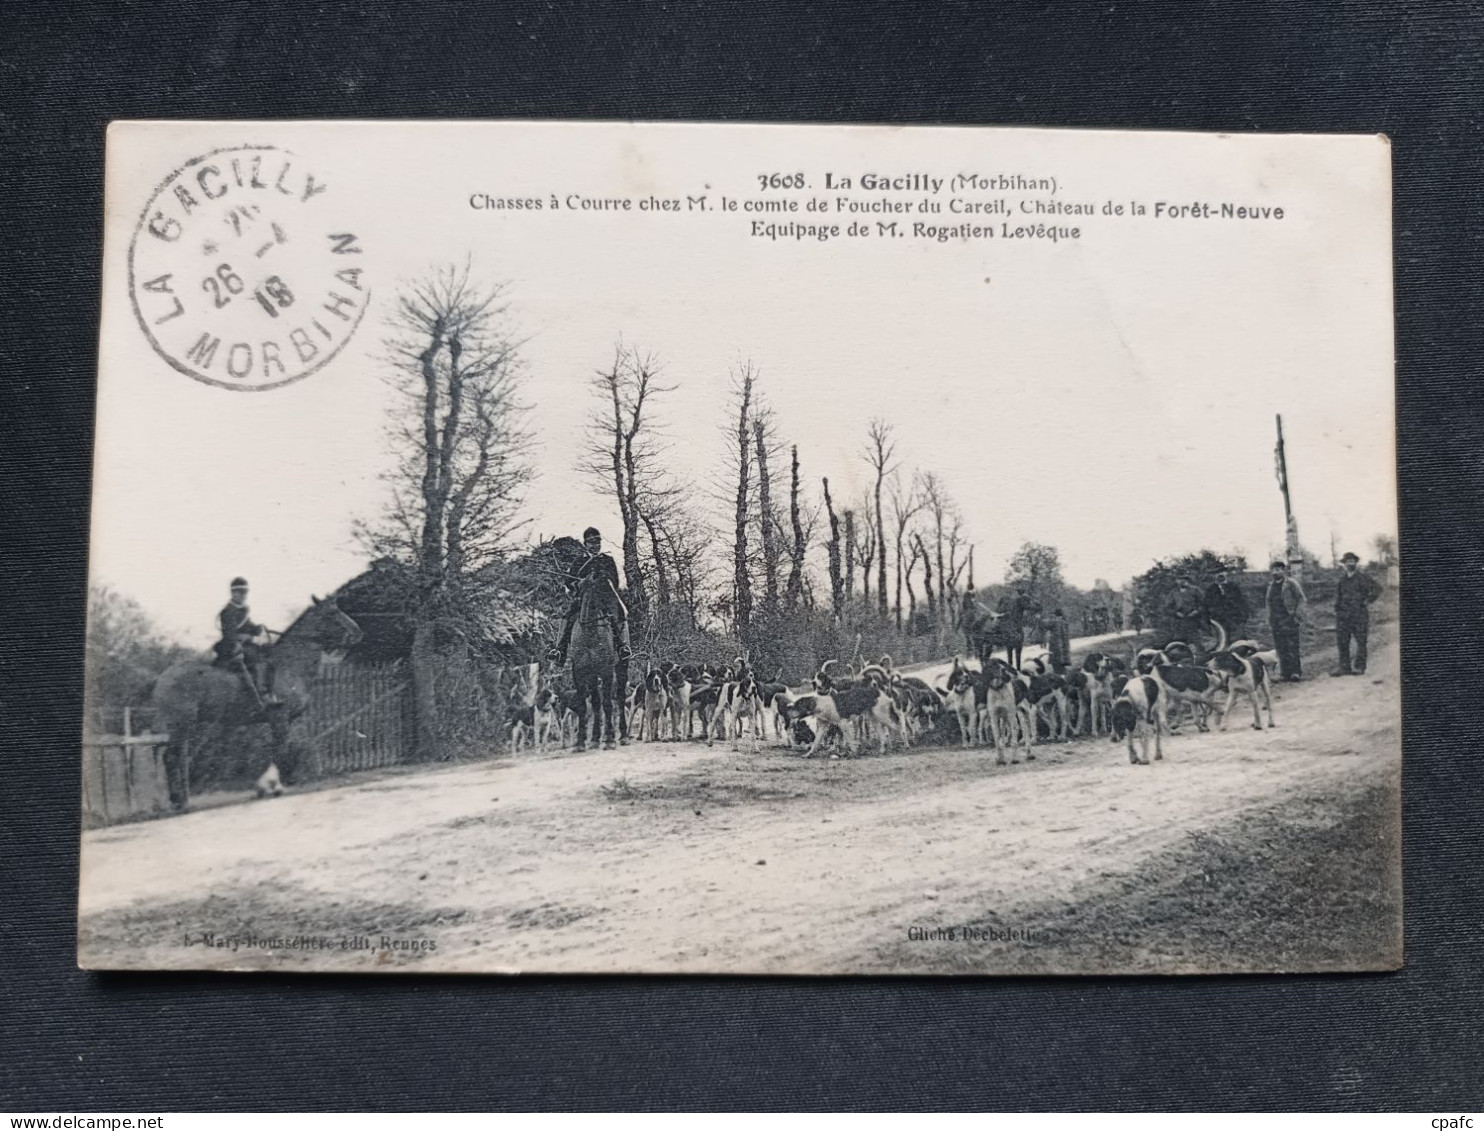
837, 588
943, 517
743, 381
879, 454
452, 514
767, 521
685, 544
849, 555
906, 504
621, 454
920, 550
661, 573
868, 544
795, 588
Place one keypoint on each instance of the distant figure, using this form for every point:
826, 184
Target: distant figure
1226, 604
1285, 601
1138, 619
1058, 642
1014, 607
1189, 608
1354, 594
241, 647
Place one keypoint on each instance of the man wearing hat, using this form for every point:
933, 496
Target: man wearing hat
238, 650
1354, 593
1227, 605
1188, 606
604, 569
1285, 600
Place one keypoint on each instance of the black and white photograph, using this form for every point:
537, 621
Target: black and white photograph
741, 549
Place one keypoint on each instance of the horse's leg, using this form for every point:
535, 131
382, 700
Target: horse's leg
606, 690
620, 685
582, 696
177, 774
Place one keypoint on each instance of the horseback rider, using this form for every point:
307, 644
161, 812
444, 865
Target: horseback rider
603, 571
242, 647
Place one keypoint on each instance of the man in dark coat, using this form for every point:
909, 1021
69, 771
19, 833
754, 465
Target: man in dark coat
1058, 642
239, 649
1285, 601
604, 571
1354, 593
1226, 604
1188, 607
1014, 608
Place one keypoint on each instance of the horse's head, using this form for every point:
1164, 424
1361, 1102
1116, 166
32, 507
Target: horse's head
329, 627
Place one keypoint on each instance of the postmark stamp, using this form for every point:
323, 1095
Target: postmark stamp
240, 274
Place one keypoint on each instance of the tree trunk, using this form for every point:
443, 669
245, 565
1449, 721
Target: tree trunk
899, 579
661, 575
796, 559
741, 581
927, 581
911, 595
880, 552
765, 515
837, 588
850, 555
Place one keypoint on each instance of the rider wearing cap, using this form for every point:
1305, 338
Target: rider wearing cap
604, 570
238, 649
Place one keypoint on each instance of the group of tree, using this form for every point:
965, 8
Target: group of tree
766, 559
126, 651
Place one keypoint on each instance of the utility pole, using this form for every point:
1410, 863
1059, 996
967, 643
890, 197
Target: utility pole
1291, 540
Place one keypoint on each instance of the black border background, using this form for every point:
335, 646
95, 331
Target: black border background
69, 1040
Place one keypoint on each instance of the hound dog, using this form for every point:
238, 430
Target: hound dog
1002, 716
1137, 711
746, 706
1046, 693
655, 701
835, 706
679, 681
535, 723
705, 694
1090, 684
773, 693
1247, 672
966, 694
1187, 686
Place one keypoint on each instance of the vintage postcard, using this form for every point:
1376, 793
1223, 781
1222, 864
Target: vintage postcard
543, 547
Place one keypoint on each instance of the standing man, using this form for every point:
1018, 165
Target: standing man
604, 570
1058, 642
1354, 593
239, 648
1285, 600
1013, 608
1189, 608
1226, 604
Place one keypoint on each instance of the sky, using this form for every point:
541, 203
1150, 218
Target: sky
1113, 396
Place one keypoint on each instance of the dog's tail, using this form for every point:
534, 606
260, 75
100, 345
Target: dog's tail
1221, 633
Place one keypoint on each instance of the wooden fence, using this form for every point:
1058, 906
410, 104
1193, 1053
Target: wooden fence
123, 777
359, 718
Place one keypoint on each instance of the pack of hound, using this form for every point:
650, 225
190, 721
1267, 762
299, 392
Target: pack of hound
843, 708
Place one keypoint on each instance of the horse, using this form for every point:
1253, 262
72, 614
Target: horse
985, 630
594, 657
194, 697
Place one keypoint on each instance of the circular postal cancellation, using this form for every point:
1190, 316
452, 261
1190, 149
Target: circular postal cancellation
239, 273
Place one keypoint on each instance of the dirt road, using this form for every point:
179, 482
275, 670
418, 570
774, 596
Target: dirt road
681, 858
